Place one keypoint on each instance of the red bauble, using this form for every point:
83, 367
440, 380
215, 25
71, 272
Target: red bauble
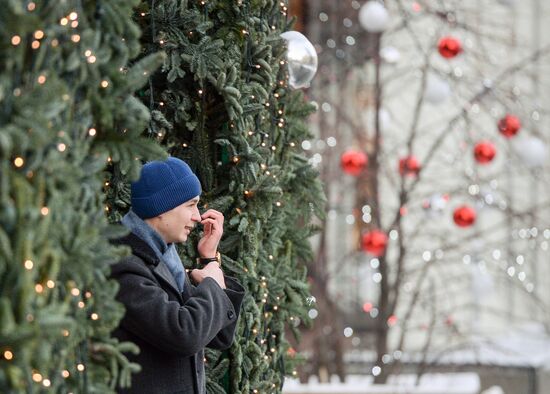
353, 162
509, 126
449, 47
484, 152
464, 216
374, 242
409, 166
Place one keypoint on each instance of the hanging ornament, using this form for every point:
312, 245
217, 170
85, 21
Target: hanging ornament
436, 204
374, 242
390, 55
509, 125
409, 166
484, 152
437, 89
302, 59
532, 151
482, 281
449, 47
373, 17
353, 162
464, 216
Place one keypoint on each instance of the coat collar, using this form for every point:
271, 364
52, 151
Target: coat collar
141, 249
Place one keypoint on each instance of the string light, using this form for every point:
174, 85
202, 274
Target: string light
50, 284
55, 42
18, 162
65, 374
31, 6
94, 316
35, 44
41, 79
61, 147
46, 383
15, 40
39, 34
92, 132
65, 333
80, 367
8, 355
28, 264
37, 377
75, 292
73, 16
104, 83
63, 21
81, 305
75, 38
38, 288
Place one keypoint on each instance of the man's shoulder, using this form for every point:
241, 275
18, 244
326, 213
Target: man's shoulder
139, 248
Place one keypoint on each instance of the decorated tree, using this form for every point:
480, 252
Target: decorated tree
428, 137
227, 100
66, 109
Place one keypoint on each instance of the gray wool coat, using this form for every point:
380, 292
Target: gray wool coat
171, 328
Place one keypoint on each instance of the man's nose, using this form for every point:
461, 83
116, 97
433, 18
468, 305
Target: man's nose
196, 215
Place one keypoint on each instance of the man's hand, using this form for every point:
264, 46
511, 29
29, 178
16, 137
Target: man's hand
212, 221
211, 270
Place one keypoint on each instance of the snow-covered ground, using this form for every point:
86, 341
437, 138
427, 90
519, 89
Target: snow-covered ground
449, 383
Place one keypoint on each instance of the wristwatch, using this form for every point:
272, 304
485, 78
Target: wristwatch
206, 260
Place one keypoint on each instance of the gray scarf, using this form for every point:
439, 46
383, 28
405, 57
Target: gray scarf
167, 253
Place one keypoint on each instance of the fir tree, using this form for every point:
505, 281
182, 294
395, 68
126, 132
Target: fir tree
66, 108
221, 102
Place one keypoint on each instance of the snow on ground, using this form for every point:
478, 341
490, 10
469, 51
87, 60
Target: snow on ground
448, 383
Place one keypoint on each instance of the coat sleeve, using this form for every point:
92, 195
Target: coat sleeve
225, 337
164, 323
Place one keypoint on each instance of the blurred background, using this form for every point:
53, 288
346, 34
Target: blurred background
432, 263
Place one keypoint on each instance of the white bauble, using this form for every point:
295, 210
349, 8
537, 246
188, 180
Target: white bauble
531, 150
390, 55
373, 17
301, 58
482, 282
437, 89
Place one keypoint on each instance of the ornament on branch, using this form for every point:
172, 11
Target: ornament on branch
532, 151
390, 55
374, 17
509, 125
449, 47
436, 204
464, 216
374, 242
484, 152
437, 89
301, 58
353, 162
409, 166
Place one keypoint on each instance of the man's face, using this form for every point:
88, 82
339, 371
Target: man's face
176, 224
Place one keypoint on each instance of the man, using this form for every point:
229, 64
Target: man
168, 317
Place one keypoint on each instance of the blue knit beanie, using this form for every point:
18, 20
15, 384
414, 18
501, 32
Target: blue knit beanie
162, 186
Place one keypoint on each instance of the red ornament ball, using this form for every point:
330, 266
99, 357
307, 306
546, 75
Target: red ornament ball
484, 152
409, 166
353, 162
449, 47
509, 126
464, 216
374, 242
